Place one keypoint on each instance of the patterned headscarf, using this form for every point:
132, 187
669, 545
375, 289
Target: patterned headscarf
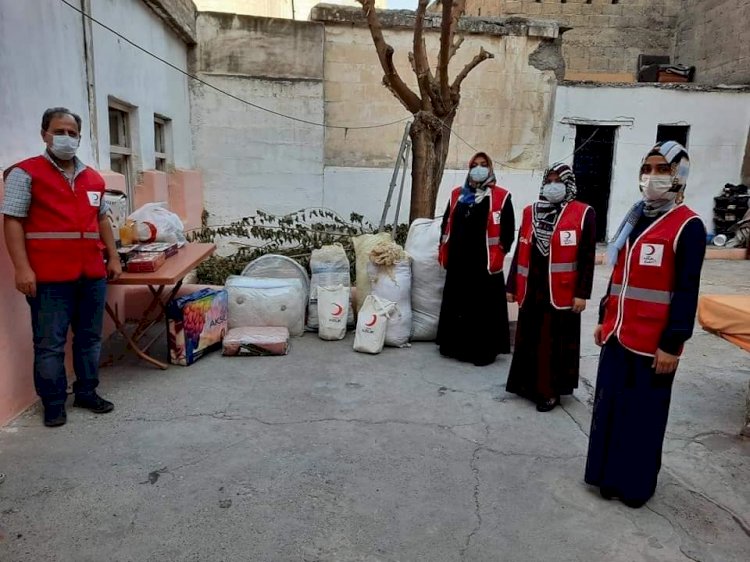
545, 213
472, 194
677, 157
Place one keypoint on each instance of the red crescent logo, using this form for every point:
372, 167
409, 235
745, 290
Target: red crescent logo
567, 235
650, 250
338, 310
372, 321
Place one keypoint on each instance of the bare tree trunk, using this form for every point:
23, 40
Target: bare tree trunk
430, 137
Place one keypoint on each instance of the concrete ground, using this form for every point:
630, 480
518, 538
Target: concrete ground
330, 455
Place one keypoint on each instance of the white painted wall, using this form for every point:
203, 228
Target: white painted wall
718, 122
41, 66
134, 77
252, 159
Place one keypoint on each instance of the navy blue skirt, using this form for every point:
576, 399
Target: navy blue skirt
631, 408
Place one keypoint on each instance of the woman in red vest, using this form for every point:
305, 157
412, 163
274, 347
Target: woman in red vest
478, 229
644, 321
551, 279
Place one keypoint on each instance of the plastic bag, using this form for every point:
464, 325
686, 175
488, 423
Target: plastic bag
393, 283
155, 223
427, 278
255, 342
369, 336
329, 267
333, 309
262, 302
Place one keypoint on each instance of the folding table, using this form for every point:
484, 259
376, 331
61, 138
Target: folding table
171, 274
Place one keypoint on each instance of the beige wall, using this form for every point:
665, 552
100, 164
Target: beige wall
272, 8
714, 36
505, 107
606, 38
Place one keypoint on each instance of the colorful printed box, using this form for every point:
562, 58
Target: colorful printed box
196, 325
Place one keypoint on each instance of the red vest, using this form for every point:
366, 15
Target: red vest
62, 227
563, 254
637, 307
495, 252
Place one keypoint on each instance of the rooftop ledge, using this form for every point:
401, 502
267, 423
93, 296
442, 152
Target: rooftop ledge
404, 19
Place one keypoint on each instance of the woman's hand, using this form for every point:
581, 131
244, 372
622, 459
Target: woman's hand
598, 335
579, 305
665, 363
510, 297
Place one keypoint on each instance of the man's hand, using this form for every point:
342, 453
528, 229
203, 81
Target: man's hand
26, 281
665, 363
114, 269
598, 335
579, 305
510, 297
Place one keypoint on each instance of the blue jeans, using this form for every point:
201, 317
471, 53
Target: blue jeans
56, 308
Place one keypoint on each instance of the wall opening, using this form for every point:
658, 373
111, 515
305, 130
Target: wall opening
592, 164
678, 133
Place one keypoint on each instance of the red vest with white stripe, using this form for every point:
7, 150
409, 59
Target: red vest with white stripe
637, 307
495, 252
62, 227
563, 254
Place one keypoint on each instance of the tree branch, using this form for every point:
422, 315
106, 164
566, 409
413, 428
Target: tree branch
392, 80
452, 12
456, 46
476, 61
418, 58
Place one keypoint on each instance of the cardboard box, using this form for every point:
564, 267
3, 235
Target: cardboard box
196, 325
118, 210
165, 248
144, 262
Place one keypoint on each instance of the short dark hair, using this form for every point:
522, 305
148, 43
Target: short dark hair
53, 112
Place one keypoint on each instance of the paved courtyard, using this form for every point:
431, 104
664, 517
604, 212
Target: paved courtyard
330, 455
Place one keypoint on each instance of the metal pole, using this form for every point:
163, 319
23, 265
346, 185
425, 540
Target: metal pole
394, 178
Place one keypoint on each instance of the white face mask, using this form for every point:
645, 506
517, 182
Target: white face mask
479, 174
64, 147
656, 188
554, 192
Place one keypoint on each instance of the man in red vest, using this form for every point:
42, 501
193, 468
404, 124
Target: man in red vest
56, 229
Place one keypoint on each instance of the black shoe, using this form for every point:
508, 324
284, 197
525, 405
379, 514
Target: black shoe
484, 362
54, 415
547, 405
93, 402
607, 493
635, 504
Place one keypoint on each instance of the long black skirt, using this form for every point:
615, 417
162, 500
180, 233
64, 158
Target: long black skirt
474, 317
631, 408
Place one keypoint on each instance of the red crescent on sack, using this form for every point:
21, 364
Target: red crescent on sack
338, 310
373, 321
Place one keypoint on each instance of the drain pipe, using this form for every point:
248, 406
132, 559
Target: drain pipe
88, 55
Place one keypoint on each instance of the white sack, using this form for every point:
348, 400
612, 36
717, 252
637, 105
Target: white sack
369, 335
394, 284
329, 267
263, 302
333, 309
427, 278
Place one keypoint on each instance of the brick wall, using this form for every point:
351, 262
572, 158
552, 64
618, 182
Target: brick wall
606, 37
714, 36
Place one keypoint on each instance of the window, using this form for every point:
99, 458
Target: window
161, 142
677, 133
120, 144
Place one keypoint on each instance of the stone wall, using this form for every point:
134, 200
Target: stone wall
506, 102
606, 37
714, 36
272, 8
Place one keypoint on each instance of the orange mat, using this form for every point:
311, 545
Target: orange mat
727, 316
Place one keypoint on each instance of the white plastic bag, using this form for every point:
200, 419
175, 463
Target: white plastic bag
427, 278
329, 267
155, 223
394, 284
363, 245
333, 309
263, 302
369, 336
